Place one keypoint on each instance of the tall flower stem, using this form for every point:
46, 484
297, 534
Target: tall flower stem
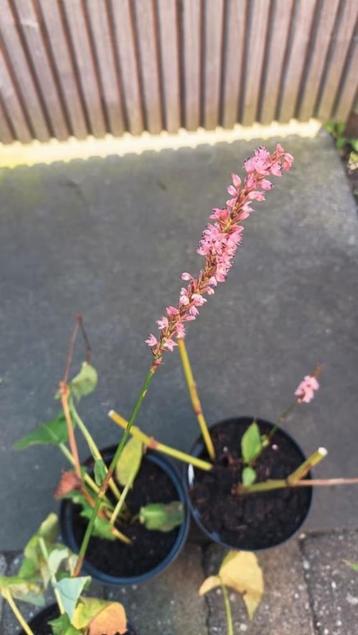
117, 454
228, 612
194, 396
20, 618
153, 444
64, 395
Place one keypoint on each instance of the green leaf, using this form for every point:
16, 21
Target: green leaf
34, 562
85, 382
51, 433
340, 143
99, 471
248, 475
251, 444
26, 590
63, 626
70, 590
102, 527
161, 516
129, 461
354, 144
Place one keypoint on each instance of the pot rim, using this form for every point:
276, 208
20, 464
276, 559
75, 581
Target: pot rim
196, 450
65, 516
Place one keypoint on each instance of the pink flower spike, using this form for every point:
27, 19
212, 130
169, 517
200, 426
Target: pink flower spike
163, 323
171, 311
169, 344
232, 190
186, 276
180, 330
266, 184
152, 340
236, 180
256, 196
198, 299
306, 389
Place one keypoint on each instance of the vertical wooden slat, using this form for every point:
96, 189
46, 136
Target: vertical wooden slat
191, 44
36, 50
349, 89
214, 15
125, 47
65, 71
315, 66
12, 103
340, 48
5, 132
110, 81
277, 47
167, 16
144, 11
301, 31
85, 64
22, 71
234, 47
255, 56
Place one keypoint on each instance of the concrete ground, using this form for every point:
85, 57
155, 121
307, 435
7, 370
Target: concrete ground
110, 238
309, 590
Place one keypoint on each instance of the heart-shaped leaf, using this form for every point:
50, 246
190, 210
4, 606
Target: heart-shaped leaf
129, 461
251, 444
70, 590
85, 382
88, 609
111, 621
51, 433
161, 516
240, 571
209, 584
26, 590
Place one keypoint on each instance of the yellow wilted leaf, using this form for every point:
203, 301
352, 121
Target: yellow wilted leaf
240, 571
210, 583
129, 462
111, 620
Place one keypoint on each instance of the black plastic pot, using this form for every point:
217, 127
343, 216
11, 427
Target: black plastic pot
68, 534
39, 623
236, 539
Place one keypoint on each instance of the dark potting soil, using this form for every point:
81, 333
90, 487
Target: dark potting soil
39, 624
148, 548
253, 521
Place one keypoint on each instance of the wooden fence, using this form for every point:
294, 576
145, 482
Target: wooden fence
80, 67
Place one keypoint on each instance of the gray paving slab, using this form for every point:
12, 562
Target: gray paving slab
285, 607
169, 604
332, 584
110, 238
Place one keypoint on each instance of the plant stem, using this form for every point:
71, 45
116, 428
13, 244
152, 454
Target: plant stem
90, 482
293, 480
306, 466
64, 393
117, 454
52, 576
92, 446
283, 416
228, 612
20, 618
269, 485
152, 444
118, 507
194, 396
